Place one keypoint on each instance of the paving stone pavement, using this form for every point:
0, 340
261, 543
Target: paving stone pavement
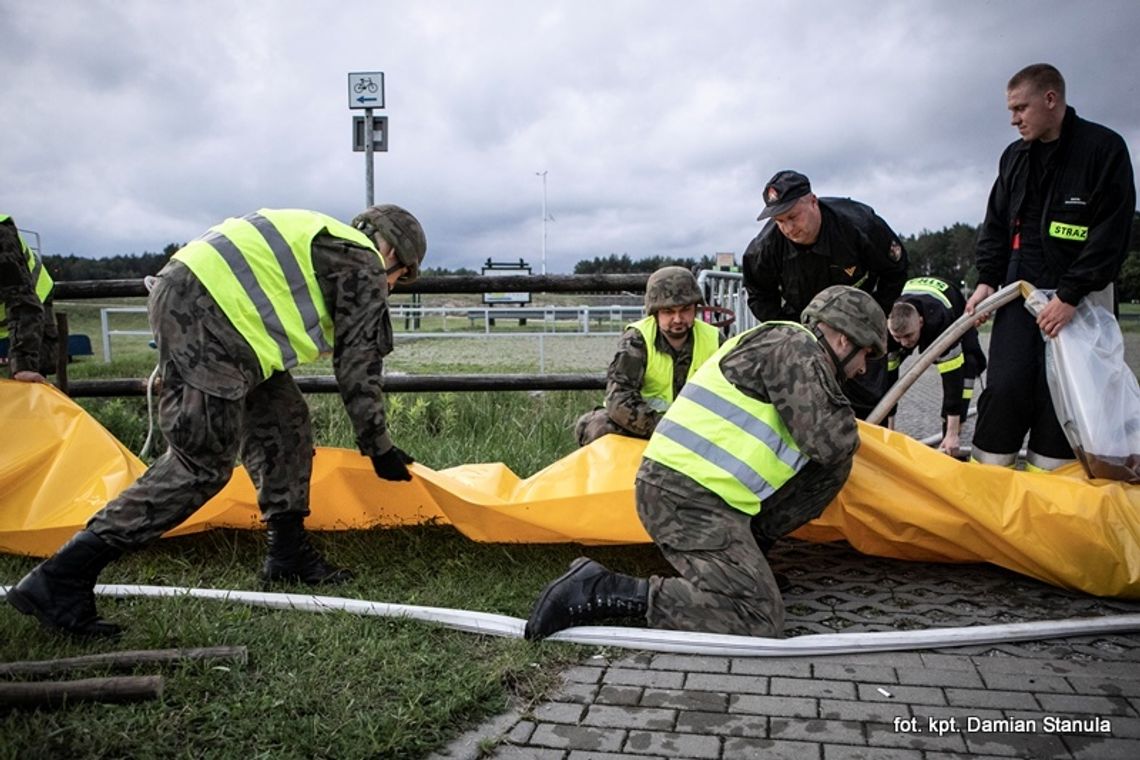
1057, 698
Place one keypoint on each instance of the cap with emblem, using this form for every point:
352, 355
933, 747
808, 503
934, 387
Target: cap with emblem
782, 191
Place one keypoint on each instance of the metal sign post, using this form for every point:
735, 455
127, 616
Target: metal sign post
366, 90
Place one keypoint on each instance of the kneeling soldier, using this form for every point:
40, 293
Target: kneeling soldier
656, 356
758, 443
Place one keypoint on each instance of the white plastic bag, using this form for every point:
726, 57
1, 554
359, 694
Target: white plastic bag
1095, 394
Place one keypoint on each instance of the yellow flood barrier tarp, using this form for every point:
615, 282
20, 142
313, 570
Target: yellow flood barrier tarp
903, 500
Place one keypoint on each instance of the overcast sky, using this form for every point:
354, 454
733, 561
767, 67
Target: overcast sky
129, 125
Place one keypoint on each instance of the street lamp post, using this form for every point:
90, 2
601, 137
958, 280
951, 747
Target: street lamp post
543, 175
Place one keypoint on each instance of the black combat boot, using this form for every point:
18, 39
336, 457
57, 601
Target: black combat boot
292, 558
60, 591
588, 592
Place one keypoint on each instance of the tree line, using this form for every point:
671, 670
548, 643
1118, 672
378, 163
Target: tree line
946, 253
614, 264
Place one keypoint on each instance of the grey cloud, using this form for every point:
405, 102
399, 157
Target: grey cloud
141, 123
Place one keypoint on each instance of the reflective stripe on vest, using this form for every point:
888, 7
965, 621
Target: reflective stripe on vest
40, 277
952, 363
733, 445
658, 380
931, 286
259, 270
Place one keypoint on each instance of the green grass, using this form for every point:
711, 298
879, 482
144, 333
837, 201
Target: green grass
325, 685
317, 685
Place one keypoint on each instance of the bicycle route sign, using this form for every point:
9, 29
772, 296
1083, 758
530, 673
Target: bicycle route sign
366, 89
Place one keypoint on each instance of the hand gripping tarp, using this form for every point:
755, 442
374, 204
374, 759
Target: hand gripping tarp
903, 500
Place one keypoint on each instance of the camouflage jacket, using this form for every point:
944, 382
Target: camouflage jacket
782, 365
194, 333
25, 313
624, 403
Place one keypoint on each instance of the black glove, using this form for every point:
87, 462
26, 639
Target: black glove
392, 464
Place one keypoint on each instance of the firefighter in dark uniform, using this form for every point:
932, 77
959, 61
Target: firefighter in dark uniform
1060, 217
811, 243
927, 306
655, 357
759, 442
26, 318
232, 312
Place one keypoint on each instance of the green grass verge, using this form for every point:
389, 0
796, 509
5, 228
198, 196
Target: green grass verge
317, 685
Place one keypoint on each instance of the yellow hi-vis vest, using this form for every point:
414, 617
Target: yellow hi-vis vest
931, 286
732, 444
40, 275
658, 381
259, 269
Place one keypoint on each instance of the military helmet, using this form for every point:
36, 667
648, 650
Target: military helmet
669, 287
400, 229
852, 312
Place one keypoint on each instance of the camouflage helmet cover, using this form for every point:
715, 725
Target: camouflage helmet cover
669, 287
399, 229
852, 312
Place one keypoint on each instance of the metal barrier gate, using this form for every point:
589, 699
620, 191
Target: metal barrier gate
726, 289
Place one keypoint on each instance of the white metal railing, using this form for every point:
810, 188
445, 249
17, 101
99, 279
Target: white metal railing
727, 289
458, 321
724, 289
611, 320
105, 325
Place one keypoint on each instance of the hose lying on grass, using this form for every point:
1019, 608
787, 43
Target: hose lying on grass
658, 640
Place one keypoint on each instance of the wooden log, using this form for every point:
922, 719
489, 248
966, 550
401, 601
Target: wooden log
550, 283
127, 659
392, 384
59, 693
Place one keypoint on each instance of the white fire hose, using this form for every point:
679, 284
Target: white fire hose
682, 642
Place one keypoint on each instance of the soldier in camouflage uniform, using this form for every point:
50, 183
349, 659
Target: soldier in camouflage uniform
232, 312
759, 441
26, 317
653, 360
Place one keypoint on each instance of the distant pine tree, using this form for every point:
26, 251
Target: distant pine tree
614, 264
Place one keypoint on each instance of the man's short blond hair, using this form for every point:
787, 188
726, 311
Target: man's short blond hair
903, 318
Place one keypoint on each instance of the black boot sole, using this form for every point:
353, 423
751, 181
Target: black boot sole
339, 578
25, 604
575, 566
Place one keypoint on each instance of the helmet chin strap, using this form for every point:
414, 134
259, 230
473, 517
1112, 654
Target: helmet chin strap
840, 364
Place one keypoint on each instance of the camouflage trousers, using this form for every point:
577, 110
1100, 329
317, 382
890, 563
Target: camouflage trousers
269, 429
725, 583
594, 424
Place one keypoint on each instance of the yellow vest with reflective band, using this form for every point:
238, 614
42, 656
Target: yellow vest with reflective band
259, 270
931, 286
43, 280
733, 445
658, 381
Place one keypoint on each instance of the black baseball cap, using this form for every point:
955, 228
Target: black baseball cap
782, 191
